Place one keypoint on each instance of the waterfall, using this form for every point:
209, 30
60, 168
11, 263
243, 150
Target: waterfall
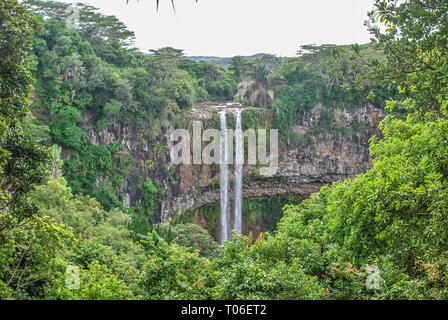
239, 161
224, 181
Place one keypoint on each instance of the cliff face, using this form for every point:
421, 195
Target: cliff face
304, 167
318, 158
141, 146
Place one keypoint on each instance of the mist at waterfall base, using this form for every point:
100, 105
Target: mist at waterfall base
224, 174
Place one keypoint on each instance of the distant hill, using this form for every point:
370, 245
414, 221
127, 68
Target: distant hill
224, 60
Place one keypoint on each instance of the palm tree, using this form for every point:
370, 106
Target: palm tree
259, 89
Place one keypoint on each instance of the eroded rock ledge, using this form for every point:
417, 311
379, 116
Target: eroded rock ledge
315, 160
303, 167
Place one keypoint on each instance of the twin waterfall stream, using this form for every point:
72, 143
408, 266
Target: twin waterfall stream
224, 173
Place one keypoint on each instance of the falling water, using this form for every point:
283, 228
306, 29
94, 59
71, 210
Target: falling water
239, 160
224, 177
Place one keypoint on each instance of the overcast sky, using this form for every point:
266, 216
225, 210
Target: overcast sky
240, 27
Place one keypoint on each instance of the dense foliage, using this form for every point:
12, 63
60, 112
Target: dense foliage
22, 160
330, 75
392, 219
91, 75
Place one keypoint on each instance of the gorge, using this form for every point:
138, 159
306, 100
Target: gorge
112, 116
316, 159
104, 195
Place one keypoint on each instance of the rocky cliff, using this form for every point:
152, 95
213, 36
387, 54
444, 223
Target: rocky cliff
324, 152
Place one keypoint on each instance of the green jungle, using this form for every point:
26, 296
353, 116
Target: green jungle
61, 194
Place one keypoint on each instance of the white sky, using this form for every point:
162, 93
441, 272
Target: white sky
240, 27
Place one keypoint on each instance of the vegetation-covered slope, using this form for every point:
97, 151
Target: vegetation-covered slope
89, 73
393, 217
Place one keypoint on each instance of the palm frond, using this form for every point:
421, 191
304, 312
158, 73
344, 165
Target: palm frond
157, 4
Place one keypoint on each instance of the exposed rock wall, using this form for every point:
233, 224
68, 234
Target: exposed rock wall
305, 166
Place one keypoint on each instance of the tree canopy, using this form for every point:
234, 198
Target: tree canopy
392, 218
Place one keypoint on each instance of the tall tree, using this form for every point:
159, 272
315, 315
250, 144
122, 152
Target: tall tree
239, 66
91, 22
164, 62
